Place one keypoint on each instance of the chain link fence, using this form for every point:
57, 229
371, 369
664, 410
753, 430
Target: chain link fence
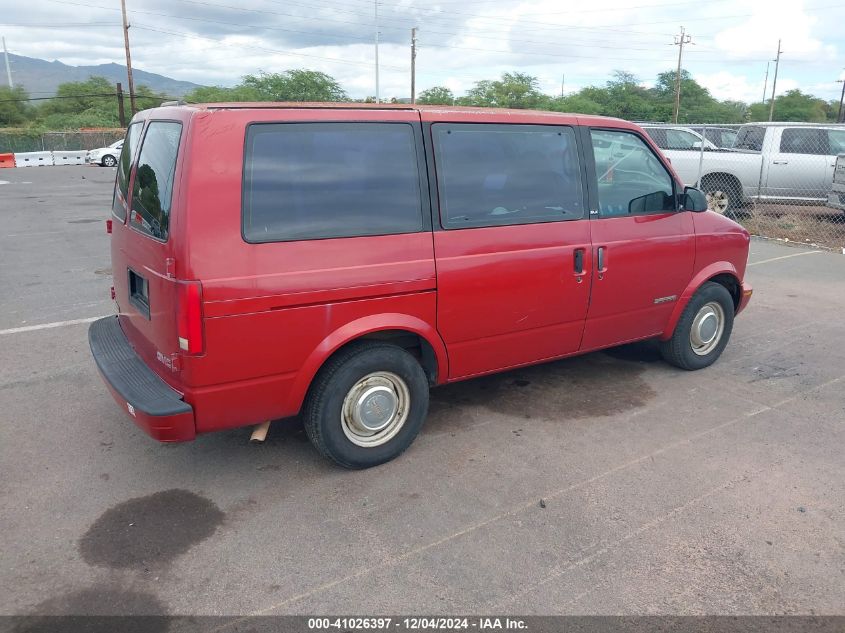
780, 180
17, 141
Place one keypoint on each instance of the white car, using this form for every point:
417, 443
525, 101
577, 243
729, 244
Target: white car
106, 156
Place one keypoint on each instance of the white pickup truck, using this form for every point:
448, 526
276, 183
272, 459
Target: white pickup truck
770, 161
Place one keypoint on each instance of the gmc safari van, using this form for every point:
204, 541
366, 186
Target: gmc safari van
337, 261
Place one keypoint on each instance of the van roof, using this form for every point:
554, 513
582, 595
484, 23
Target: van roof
305, 105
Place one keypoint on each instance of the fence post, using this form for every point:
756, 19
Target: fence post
120, 112
701, 156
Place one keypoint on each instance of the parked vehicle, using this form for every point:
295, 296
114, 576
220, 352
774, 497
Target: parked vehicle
721, 137
105, 156
772, 161
836, 199
676, 137
337, 261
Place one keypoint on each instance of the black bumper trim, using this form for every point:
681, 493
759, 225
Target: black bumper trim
128, 374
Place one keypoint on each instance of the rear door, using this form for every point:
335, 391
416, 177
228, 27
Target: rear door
145, 288
799, 164
512, 245
643, 247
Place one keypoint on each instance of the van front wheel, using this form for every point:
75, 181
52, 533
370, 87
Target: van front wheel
703, 330
366, 405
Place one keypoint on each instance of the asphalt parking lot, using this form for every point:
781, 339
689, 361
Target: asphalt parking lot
663, 491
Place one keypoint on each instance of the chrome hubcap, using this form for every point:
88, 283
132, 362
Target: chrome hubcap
718, 201
707, 328
375, 409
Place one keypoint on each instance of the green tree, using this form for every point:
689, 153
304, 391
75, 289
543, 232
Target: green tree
697, 104
793, 106
219, 94
438, 95
14, 109
513, 90
295, 85
91, 103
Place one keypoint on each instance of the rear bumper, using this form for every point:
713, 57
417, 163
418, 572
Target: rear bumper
149, 401
745, 297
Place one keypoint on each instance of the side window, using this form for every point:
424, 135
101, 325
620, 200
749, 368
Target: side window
836, 141
680, 139
306, 181
494, 175
658, 136
124, 166
750, 137
803, 141
631, 179
153, 186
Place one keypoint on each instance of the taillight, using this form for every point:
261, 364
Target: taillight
190, 317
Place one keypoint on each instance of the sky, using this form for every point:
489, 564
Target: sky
566, 45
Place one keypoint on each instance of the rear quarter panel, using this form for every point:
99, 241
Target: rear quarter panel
273, 312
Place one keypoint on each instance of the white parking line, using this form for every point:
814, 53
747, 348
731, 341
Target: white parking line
48, 326
774, 259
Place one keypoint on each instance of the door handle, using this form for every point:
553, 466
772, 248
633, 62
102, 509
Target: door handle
600, 261
578, 264
780, 162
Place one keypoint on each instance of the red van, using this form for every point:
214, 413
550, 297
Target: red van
337, 261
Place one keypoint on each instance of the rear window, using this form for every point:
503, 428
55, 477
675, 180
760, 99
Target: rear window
153, 186
494, 175
124, 166
321, 180
750, 137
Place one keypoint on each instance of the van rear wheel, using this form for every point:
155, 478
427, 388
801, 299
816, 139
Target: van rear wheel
703, 330
366, 405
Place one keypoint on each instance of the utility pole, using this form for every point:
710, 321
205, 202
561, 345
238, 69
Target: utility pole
128, 58
680, 40
562, 81
121, 114
766, 83
414, 65
8, 69
774, 84
375, 5
840, 118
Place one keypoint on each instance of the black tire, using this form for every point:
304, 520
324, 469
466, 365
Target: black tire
679, 350
323, 411
109, 161
724, 195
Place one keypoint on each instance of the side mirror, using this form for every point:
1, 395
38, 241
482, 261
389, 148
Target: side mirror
694, 200
697, 145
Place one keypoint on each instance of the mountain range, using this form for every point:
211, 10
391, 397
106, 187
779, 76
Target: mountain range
40, 77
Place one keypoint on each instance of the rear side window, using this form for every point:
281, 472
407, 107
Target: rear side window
153, 186
750, 137
658, 136
321, 180
803, 141
494, 175
124, 166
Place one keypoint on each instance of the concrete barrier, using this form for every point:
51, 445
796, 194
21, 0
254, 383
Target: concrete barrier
33, 159
7, 160
70, 158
